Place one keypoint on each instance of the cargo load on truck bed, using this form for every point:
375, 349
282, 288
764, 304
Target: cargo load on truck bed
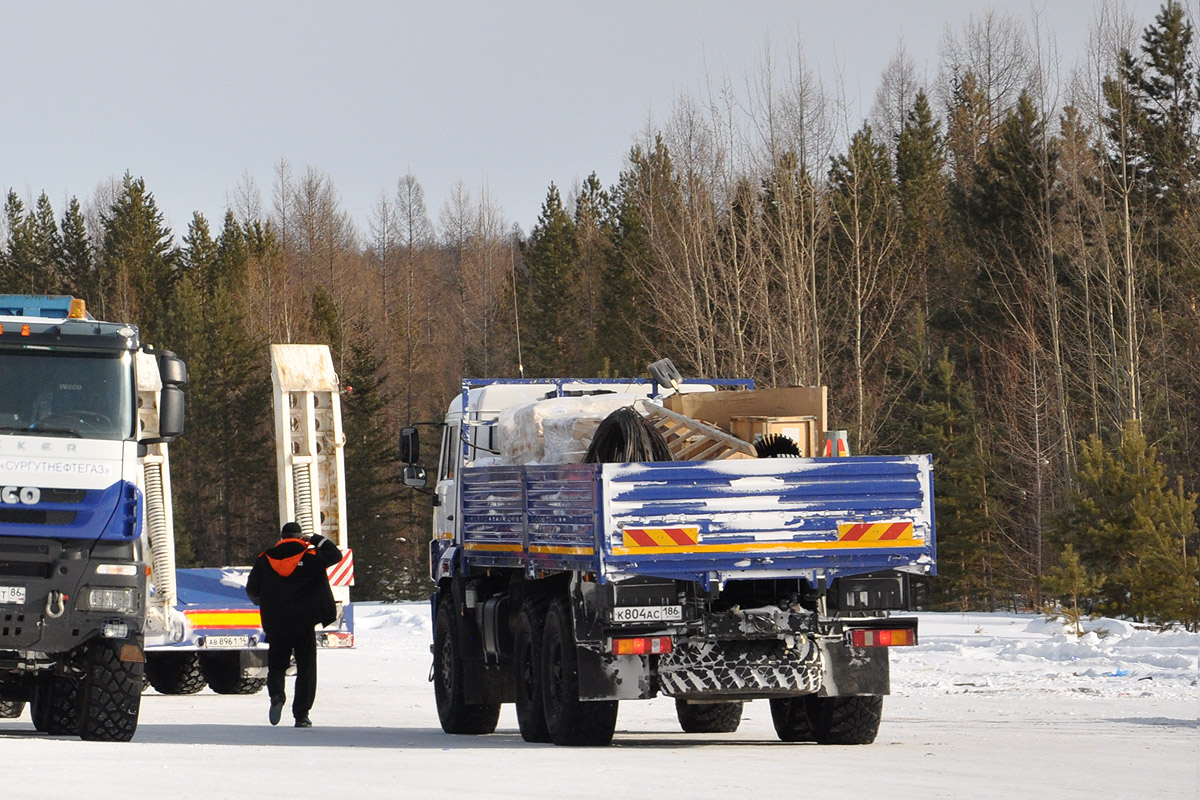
720, 569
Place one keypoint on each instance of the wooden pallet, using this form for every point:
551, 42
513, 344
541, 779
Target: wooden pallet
692, 440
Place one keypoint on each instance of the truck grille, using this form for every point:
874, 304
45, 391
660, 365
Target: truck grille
25, 569
21, 516
68, 496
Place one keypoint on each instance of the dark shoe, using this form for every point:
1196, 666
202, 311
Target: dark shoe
303, 722
276, 711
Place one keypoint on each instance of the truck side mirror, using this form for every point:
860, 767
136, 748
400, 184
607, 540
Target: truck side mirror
173, 372
172, 369
410, 448
170, 413
414, 477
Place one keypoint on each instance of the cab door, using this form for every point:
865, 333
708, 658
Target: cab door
446, 512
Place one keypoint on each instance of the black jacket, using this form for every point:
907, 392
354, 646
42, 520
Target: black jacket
290, 586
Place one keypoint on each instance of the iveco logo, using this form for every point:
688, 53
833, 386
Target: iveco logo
29, 495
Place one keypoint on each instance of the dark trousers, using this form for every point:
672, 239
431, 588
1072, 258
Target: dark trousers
281, 646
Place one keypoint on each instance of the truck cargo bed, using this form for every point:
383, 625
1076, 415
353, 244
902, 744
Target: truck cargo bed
704, 521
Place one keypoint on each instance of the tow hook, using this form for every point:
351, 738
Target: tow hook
55, 598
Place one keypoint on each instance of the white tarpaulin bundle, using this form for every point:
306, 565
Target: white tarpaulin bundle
554, 431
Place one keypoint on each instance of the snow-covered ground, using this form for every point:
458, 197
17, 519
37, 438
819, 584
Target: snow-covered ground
988, 705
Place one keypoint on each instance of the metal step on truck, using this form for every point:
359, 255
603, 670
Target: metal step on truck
202, 630
601, 541
83, 404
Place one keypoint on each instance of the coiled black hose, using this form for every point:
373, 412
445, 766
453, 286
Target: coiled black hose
626, 436
776, 445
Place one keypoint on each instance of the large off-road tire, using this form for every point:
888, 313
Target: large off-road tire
571, 722
527, 672
845, 720
454, 712
223, 671
708, 717
828, 720
175, 673
110, 695
11, 709
55, 706
790, 717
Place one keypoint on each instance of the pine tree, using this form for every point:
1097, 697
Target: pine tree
1127, 525
224, 470
630, 331
941, 418
47, 244
922, 187
1159, 88
1070, 581
384, 563
137, 264
77, 261
549, 294
198, 258
1013, 320
30, 255
593, 243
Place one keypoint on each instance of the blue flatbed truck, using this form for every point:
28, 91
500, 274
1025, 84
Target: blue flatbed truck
567, 588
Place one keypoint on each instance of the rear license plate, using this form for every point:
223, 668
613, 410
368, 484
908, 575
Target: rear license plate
224, 642
647, 614
12, 595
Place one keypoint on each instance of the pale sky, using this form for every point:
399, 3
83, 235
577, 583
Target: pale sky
507, 95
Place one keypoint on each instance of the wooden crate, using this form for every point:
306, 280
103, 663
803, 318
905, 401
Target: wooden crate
803, 430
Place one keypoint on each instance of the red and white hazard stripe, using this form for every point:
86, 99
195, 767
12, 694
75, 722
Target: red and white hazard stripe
342, 573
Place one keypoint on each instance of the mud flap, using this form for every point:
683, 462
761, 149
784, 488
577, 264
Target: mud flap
850, 671
252, 663
603, 676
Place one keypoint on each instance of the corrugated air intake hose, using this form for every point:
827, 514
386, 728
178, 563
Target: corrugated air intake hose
162, 545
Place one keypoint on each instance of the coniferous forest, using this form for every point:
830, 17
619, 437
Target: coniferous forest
1000, 266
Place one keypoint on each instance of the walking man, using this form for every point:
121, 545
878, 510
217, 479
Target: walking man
290, 586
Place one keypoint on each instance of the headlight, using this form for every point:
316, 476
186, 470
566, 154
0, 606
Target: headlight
121, 599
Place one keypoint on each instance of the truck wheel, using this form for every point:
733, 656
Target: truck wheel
11, 709
455, 714
111, 692
55, 706
708, 717
223, 671
790, 717
845, 720
570, 721
527, 669
174, 673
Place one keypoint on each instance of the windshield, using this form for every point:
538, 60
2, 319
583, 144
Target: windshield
62, 393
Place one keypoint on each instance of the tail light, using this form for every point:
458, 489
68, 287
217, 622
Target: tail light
881, 637
641, 645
